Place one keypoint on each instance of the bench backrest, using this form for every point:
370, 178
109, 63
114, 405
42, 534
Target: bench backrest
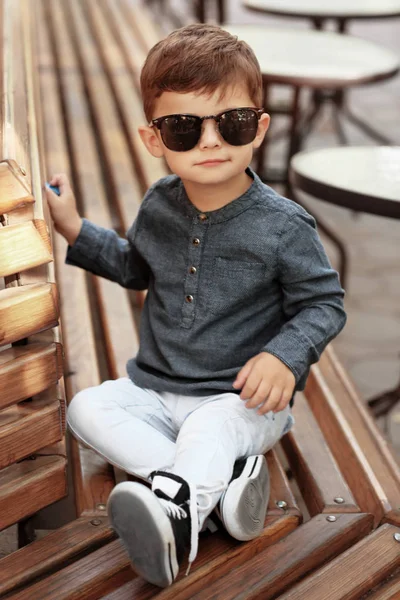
32, 401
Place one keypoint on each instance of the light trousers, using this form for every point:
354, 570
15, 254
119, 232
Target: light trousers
197, 438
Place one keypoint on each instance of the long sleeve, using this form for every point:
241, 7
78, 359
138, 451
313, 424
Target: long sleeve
103, 252
311, 294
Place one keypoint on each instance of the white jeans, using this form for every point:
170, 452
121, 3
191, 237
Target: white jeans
197, 438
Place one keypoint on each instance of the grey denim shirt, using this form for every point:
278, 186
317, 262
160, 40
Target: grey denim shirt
222, 286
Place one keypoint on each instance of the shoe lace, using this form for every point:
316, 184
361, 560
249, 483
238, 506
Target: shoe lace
173, 510
179, 512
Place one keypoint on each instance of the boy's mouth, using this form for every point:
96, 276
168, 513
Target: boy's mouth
211, 162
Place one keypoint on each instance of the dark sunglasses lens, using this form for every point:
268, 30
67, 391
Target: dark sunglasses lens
180, 133
239, 127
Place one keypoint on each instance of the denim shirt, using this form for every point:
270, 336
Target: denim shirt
222, 286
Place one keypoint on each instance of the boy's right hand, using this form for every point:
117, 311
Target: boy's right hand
63, 208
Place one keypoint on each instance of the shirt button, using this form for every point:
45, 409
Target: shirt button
192, 270
196, 241
189, 299
203, 217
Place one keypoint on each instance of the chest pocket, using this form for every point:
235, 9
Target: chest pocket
234, 283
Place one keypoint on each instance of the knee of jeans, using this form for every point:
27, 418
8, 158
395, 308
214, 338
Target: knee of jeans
80, 410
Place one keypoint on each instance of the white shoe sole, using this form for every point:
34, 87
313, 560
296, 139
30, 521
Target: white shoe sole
244, 504
146, 532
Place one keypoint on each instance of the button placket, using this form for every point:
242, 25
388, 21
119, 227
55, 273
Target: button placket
197, 236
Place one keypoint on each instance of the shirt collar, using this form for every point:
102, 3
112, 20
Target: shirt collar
228, 211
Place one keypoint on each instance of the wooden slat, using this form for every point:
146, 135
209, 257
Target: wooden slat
277, 568
93, 477
14, 192
28, 427
50, 553
115, 310
30, 485
280, 489
88, 579
26, 310
122, 180
149, 169
365, 482
21, 248
142, 24
387, 591
354, 572
14, 125
27, 370
393, 517
316, 471
131, 47
371, 439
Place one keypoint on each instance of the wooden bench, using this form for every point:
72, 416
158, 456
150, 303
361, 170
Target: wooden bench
32, 399
335, 485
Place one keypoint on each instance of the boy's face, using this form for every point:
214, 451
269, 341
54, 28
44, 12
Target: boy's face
212, 160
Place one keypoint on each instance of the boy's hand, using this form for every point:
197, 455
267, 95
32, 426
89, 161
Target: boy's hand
63, 209
266, 382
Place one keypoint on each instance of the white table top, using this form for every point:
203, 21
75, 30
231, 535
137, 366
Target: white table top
372, 172
316, 58
361, 9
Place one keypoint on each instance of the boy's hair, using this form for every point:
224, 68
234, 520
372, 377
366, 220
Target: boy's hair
199, 58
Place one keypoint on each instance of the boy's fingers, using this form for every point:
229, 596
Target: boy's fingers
260, 395
243, 375
60, 180
273, 400
251, 386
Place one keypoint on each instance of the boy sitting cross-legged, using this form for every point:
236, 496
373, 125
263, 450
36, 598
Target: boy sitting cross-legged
241, 301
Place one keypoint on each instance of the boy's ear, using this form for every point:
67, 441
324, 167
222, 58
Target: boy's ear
263, 125
151, 140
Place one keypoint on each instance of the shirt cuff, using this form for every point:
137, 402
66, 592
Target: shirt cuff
87, 245
292, 352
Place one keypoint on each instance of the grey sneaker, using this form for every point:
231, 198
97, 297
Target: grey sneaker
243, 506
154, 527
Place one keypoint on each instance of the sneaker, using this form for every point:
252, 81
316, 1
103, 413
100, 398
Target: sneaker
243, 506
154, 525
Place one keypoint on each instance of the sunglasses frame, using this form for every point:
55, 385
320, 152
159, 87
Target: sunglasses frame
217, 118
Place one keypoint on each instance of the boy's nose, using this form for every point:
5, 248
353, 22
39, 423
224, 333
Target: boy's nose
210, 136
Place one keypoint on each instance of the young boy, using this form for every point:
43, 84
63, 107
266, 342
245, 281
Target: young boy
241, 301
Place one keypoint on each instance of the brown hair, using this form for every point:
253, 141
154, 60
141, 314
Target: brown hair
199, 58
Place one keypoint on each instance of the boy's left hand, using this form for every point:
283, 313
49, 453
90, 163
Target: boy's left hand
266, 382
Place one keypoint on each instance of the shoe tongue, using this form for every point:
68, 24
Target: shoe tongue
168, 486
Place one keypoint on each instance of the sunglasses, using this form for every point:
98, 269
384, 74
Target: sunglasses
181, 133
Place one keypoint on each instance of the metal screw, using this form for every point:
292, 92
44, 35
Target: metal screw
331, 518
339, 500
101, 506
95, 522
281, 504
22, 170
397, 537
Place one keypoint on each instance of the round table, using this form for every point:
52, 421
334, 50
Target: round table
320, 10
319, 60
365, 179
